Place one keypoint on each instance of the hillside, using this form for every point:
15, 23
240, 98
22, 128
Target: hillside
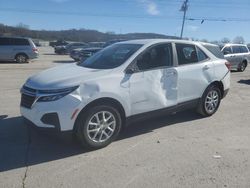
83, 35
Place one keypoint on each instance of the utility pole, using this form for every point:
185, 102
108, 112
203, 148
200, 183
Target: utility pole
184, 8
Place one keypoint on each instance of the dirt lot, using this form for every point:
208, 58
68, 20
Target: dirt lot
181, 150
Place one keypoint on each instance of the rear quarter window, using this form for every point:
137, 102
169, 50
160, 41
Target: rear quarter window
20, 42
215, 50
201, 55
244, 49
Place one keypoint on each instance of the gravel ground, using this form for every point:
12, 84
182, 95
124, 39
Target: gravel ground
181, 150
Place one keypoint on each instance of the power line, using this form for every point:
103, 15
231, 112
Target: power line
219, 19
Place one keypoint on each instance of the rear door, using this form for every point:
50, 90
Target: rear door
154, 85
195, 72
5, 49
236, 57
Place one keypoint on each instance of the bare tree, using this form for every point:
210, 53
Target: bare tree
215, 42
22, 26
225, 40
204, 40
239, 40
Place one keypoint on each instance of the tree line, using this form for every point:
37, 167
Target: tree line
81, 35
86, 35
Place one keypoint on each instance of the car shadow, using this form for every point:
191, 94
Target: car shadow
64, 61
50, 54
10, 62
244, 82
22, 146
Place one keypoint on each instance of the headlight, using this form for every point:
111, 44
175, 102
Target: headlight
53, 95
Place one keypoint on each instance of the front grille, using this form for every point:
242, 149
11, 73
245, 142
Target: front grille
27, 100
28, 97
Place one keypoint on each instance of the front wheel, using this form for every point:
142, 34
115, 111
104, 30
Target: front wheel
99, 126
210, 101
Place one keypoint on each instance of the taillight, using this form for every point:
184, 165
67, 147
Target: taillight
35, 49
228, 65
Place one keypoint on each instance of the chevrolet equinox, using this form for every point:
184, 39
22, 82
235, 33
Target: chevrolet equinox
123, 82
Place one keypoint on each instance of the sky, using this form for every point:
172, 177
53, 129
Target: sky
222, 18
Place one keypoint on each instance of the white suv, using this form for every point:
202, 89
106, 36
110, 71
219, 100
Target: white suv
124, 82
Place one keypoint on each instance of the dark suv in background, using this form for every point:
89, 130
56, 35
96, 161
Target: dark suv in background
69, 47
17, 49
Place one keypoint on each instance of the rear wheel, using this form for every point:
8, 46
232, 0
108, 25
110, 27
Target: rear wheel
99, 126
242, 66
21, 58
210, 101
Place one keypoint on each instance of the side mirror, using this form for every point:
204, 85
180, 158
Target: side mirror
226, 52
132, 69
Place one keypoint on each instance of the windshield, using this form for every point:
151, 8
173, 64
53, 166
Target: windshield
111, 57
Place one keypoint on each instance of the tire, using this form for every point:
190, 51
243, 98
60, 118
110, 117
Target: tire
210, 101
242, 66
21, 58
94, 135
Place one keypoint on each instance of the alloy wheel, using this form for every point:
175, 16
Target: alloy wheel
242, 67
21, 59
101, 126
211, 101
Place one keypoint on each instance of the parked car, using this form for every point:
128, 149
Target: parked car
69, 47
238, 55
17, 49
96, 44
80, 54
125, 82
58, 43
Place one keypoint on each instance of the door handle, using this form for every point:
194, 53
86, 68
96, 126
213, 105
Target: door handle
170, 73
206, 67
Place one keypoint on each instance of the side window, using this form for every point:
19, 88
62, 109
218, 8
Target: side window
227, 50
186, 54
20, 42
201, 55
155, 57
4, 41
236, 49
243, 49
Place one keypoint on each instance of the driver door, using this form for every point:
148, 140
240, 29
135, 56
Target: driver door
153, 85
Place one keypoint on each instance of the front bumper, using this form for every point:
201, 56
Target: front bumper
54, 115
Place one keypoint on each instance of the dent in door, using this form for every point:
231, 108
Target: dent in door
153, 90
163, 87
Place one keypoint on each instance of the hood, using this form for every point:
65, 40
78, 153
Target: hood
63, 76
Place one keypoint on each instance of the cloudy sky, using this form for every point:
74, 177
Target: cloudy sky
223, 18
